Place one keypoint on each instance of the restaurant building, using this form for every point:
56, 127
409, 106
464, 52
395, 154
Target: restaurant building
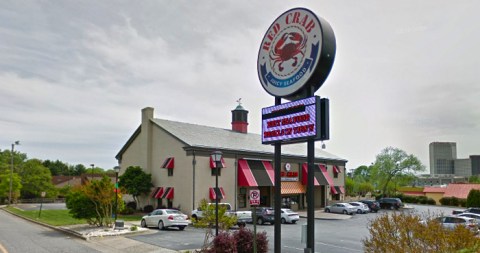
177, 155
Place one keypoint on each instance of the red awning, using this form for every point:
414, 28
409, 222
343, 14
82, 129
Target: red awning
168, 193
320, 174
324, 170
212, 163
255, 173
169, 163
157, 192
336, 169
214, 191
333, 189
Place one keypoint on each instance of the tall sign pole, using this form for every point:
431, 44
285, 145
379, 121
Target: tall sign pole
294, 60
277, 192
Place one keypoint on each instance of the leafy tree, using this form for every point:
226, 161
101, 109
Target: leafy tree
362, 173
350, 186
474, 179
401, 232
473, 198
80, 206
57, 168
135, 182
5, 185
208, 220
394, 162
94, 201
35, 179
78, 170
364, 188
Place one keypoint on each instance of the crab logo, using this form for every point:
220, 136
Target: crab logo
290, 47
291, 56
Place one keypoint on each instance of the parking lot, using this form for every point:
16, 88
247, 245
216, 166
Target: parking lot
332, 236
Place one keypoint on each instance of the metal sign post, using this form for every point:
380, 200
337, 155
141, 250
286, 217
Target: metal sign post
41, 203
254, 201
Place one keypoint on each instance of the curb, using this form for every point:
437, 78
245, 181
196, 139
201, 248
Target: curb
70, 231
66, 231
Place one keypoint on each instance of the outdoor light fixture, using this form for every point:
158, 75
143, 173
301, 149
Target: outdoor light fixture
217, 159
117, 170
11, 171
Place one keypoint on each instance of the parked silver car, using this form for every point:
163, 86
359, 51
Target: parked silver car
361, 207
451, 222
344, 208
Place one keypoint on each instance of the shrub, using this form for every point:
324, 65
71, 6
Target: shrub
450, 201
224, 242
462, 202
431, 201
127, 210
473, 199
386, 235
132, 205
133, 228
148, 208
244, 239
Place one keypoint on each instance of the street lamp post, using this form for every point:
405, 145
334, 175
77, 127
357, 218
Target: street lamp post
117, 170
11, 172
217, 159
91, 172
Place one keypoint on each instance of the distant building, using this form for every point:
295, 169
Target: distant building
442, 156
444, 161
443, 179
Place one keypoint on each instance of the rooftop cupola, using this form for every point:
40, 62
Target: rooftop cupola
240, 118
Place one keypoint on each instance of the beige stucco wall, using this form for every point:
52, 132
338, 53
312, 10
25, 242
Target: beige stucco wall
435, 196
154, 145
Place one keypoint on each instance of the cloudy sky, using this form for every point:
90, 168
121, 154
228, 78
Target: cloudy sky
74, 75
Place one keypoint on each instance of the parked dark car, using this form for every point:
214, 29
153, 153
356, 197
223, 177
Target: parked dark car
468, 210
372, 204
390, 203
265, 214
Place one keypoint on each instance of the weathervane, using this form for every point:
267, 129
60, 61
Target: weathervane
239, 101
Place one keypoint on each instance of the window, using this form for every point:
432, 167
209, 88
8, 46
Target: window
170, 172
242, 200
335, 174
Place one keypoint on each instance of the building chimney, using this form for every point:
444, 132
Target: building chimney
240, 119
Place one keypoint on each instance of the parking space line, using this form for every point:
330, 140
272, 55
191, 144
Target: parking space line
339, 247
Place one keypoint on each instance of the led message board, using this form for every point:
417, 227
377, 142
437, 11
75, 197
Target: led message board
292, 122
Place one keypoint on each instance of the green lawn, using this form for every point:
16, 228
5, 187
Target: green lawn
61, 217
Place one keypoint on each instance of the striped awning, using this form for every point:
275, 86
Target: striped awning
157, 192
169, 163
167, 193
320, 174
336, 169
292, 188
212, 163
334, 189
213, 192
255, 173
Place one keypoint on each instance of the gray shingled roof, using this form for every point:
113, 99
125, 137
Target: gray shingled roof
226, 139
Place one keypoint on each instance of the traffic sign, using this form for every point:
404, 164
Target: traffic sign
254, 197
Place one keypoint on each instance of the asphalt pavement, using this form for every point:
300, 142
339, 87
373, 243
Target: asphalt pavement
121, 243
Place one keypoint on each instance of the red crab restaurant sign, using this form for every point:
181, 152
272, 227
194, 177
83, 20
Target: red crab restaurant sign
296, 54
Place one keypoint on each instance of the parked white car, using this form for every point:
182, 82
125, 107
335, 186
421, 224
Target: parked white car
289, 216
243, 217
361, 207
344, 208
476, 216
164, 218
